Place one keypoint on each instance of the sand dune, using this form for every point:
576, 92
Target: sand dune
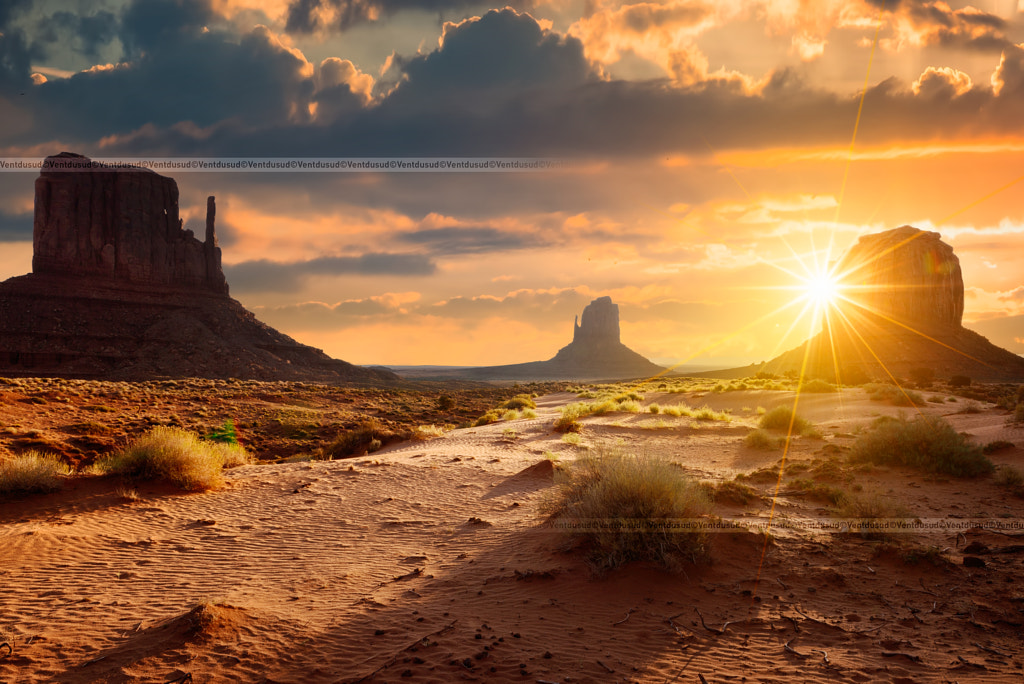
429, 562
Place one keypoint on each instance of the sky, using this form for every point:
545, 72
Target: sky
710, 154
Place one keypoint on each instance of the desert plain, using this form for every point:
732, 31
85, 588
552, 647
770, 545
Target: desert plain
432, 559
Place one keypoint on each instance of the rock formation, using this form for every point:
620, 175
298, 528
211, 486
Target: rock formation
97, 221
600, 321
119, 290
907, 275
595, 353
906, 295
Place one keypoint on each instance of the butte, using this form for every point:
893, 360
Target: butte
120, 291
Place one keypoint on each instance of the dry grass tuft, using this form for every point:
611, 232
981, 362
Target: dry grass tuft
181, 457
32, 472
626, 507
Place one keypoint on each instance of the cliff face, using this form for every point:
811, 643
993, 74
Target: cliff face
600, 322
907, 302
119, 223
908, 275
120, 291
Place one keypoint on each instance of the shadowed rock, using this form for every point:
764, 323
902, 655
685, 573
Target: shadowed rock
119, 290
595, 353
906, 295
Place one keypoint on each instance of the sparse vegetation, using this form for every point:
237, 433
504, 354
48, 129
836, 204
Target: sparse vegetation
178, 456
226, 434
1011, 478
32, 472
625, 507
733, 492
759, 439
997, 446
870, 510
925, 442
817, 386
782, 418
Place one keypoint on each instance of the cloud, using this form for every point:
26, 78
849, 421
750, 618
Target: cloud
15, 227
451, 240
271, 276
86, 34
942, 83
309, 16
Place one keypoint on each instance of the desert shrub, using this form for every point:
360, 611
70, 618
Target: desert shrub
625, 507
520, 401
445, 402
759, 439
32, 472
997, 446
599, 408
708, 413
926, 442
959, 381
181, 457
425, 432
491, 416
1011, 478
654, 408
569, 419
629, 406
970, 406
782, 418
817, 386
897, 396
1017, 417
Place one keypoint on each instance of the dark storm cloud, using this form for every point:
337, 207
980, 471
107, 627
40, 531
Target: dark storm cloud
88, 34
153, 24
15, 227
271, 276
206, 79
499, 85
306, 16
449, 241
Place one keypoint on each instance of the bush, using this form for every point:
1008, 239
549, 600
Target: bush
925, 442
782, 417
997, 446
569, 420
622, 507
817, 386
1017, 418
520, 401
922, 377
959, 381
181, 457
32, 472
759, 439
1011, 478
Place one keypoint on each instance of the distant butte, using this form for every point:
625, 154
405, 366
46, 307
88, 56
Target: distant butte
119, 290
908, 303
595, 353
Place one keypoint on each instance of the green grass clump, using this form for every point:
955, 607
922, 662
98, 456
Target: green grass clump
181, 457
492, 416
226, 433
897, 396
781, 418
32, 472
926, 442
625, 507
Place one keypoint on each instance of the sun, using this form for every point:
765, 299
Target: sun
822, 289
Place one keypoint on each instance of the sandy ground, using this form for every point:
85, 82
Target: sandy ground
429, 562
